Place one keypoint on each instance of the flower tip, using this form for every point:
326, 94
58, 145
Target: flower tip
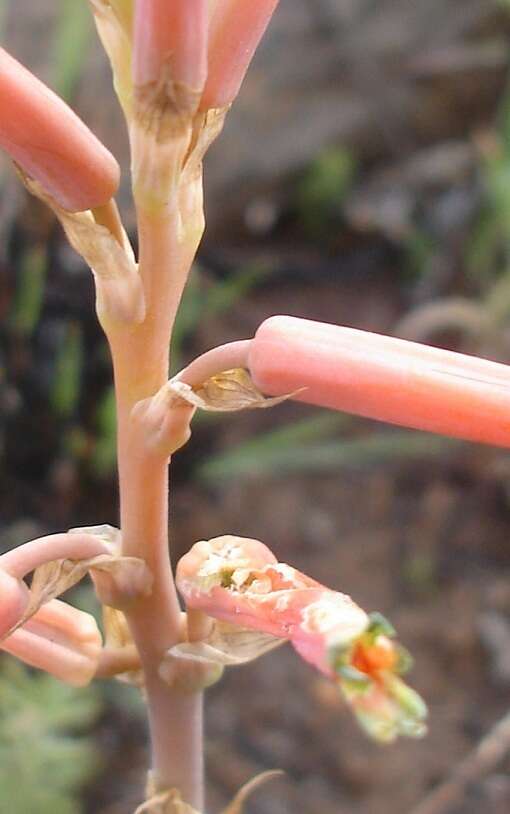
13, 601
368, 674
50, 143
234, 34
170, 43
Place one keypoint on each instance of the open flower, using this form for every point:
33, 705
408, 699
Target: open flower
241, 583
368, 670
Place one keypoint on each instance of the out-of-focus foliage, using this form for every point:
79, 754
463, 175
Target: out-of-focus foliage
73, 30
104, 454
67, 376
45, 759
285, 451
489, 248
323, 188
29, 291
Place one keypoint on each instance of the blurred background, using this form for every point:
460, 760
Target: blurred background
363, 178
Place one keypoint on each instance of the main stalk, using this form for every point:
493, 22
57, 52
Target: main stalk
141, 366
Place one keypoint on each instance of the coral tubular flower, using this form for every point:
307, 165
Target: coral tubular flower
61, 640
236, 29
240, 582
50, 143
384, 378
171, 37
13, 601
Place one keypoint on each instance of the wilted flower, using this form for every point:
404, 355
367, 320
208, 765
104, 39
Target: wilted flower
241, 583
368, 671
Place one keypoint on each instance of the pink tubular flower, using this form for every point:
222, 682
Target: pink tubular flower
59, 639
240, 582
50, 143
236, 29
13, 601
384, 378
174, 34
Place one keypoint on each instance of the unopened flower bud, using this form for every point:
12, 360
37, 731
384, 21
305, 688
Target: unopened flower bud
170, 47
50, 143
236, 29
13, 601
60, 639
384, 378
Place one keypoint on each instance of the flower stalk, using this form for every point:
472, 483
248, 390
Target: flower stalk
177, 68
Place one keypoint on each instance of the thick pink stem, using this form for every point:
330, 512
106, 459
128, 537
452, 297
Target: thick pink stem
384, 378
236, 28
173, 34
141, 365
43, 135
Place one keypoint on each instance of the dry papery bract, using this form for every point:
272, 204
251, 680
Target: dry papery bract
55, 578
50, 580
170, 801
117, 636
227, 645
229, 391
119, 290
113, 22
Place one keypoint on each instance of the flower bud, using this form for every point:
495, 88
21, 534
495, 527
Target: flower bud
235, 31
384, 378
51, 144
170, 45
63, 641
13, 601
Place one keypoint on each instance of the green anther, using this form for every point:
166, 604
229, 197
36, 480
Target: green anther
380, 626
404, 660
353, 680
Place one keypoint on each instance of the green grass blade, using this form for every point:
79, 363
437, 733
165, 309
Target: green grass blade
67, 380
266, 459
29, 294
72, 33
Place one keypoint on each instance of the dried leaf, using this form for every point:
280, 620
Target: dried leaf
166, 802
119, 288
126, 578
237, 804
118, 635
130, 576
116, 629
114, 29
226, 392
55, 578
110, 535
206, 129
227, 645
